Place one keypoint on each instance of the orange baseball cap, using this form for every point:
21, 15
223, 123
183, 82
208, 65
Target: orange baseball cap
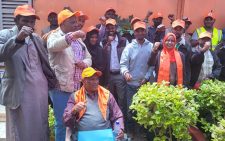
157, 15
139, 24
110, 9
110, 21
25, 10
205, 34
178, 22
64, 14
210, 14
134, 20
92, 28
81, 13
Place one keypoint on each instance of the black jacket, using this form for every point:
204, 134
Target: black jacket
186, 50
107, 53
221, 55
197, 60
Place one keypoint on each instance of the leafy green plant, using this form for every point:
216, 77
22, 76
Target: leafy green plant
211, 98
166, 110
218, 132
51, 121
124, 25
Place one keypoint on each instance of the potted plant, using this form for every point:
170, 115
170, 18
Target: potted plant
166, 110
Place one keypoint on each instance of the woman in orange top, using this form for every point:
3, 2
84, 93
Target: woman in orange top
169, 62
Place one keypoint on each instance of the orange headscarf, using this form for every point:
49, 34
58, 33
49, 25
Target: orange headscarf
167, 56
103, 97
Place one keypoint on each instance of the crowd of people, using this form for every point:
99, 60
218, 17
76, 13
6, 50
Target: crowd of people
91, 74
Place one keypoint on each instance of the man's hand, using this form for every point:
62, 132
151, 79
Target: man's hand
149, 13
206, 47
80, 64
102, 20
156, 47
24, 32
171, 17
110, 39
79, 106
128, 76
161, 28
78, 34
143, 81
120, 135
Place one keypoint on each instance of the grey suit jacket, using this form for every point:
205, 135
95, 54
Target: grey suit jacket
12, 84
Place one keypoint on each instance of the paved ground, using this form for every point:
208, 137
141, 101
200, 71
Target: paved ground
2, 123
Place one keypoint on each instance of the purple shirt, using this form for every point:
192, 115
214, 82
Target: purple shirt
114, 111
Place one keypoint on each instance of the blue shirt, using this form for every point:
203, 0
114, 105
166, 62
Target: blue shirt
134, 60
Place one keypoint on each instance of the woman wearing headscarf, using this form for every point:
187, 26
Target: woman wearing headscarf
169, 63
96, 51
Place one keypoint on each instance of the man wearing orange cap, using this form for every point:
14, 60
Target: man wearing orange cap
81, 19
204, 63
24, 87
68, 56
157, 31
133, 65
209, 21
178, 27
110, 13
93, 107
113, 45
52, 19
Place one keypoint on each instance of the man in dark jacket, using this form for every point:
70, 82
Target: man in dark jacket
220, 51
113, 46
182, 46
205, 64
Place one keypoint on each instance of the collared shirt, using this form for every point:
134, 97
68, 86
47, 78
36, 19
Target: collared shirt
207, 66
114, 60
134, 60
79, 54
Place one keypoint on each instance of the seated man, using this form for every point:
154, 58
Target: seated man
87, 107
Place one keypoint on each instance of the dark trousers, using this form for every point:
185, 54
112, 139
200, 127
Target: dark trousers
117, 86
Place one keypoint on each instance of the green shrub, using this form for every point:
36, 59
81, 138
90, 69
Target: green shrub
218, 132
51, 121
211, 98
166, 110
